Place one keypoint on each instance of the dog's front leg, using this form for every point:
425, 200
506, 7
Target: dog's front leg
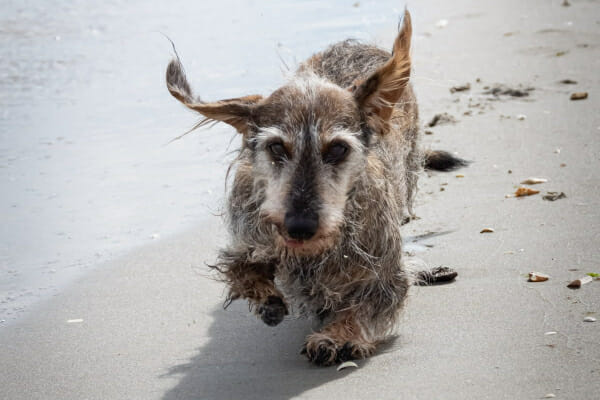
345, 338
254, 282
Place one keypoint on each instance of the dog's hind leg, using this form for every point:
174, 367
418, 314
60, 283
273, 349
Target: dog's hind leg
254, 282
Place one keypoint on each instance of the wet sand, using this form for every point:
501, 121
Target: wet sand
149, 324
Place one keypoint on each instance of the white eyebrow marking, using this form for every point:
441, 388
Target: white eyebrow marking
270, 132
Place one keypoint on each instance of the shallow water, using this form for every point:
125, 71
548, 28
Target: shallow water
85, 116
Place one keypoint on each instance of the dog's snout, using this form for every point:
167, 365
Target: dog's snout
301, 226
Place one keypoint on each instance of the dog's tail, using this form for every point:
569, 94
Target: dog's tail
439, 160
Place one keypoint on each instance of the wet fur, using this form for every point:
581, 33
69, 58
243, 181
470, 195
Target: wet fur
351, 275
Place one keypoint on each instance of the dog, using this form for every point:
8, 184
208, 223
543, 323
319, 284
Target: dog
326, 175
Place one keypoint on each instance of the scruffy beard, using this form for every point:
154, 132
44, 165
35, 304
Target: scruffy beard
316, 245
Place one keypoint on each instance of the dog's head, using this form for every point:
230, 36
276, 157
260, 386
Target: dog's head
309, 141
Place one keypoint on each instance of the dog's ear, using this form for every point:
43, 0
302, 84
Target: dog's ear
235, 112
380, 92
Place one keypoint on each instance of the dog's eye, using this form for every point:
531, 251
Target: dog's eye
335, 153
278, 151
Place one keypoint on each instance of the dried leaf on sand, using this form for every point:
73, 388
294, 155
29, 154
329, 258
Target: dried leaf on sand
523, 191
579, 96
538, 277
534, 181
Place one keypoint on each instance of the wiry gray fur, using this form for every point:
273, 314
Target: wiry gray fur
350, 274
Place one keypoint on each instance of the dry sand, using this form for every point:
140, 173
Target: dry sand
152, 323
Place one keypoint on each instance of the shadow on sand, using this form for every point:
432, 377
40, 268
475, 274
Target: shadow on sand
246, 359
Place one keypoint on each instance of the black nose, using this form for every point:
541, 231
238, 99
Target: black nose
301, 226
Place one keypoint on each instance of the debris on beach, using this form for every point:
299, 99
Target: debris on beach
75, 321
442, 23
566, 3
347, 364
577, 283
487, 230
533, 181
538, 277
523, 191
521, 117
428, 132
589, 319
568, 82
553, 196
503, 90
579, 96
440, 119
460, 176
550, 396
549, 333
460, 88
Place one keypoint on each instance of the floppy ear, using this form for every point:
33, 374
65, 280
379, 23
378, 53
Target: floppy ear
235, 112
380, 92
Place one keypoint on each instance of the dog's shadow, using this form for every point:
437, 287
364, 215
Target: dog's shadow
245, 359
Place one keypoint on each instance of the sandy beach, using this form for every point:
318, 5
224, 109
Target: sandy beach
130, 311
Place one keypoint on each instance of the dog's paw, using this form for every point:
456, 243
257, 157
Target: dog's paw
272, 311
320, 351
354, 351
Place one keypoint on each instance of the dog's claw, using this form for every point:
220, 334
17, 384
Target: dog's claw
345, 353
272, 311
